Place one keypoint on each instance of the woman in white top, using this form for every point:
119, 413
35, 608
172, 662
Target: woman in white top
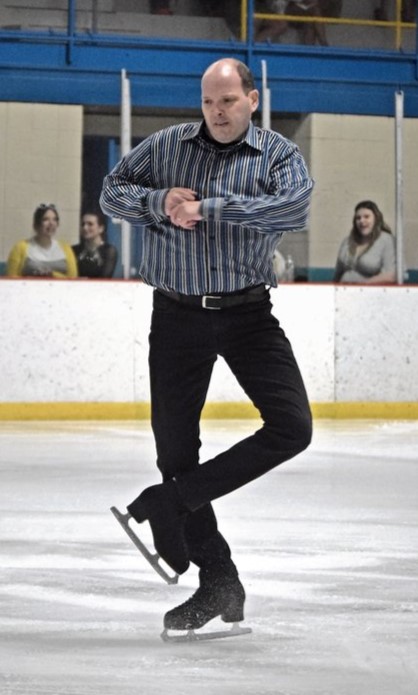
42, 255
367, 255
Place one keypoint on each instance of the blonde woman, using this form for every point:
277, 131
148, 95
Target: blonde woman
42, 255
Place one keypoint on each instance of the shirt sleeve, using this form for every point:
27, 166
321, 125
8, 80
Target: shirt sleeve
340, 266
283, 207
388, 256
72, 271
267, 187
16, 260
127, 192
110, 260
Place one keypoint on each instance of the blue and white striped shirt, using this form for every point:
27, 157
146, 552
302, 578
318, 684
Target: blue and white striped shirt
251, 191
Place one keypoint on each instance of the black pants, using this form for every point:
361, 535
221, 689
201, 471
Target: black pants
184, 344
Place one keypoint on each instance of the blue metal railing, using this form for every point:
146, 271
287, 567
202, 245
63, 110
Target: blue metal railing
248, 14
75, 64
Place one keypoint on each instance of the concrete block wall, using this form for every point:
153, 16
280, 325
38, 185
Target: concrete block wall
40, 162
114, 17
188, 19
352, 158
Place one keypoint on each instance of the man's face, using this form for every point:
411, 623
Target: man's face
226, 108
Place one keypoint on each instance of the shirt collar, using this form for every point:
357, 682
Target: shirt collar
251, 137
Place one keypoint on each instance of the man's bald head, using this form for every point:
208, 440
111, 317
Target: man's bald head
228, 99
225, 66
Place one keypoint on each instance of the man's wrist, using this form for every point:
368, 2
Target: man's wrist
156, 202
211, 209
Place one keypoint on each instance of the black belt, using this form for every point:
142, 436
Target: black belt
218, 301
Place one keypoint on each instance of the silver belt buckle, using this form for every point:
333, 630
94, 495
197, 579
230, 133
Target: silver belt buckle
208, 297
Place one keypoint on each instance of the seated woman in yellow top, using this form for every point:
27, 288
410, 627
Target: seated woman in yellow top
42, 255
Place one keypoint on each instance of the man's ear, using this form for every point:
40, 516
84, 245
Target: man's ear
254, 98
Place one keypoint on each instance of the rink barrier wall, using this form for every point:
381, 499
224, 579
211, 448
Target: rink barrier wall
212, 411
76, 349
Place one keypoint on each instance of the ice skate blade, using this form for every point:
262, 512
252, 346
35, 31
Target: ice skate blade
193, 636
153, 558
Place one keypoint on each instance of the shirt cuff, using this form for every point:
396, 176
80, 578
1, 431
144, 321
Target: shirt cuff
155, 200
212, 208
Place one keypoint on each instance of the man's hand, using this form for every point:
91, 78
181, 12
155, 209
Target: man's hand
186, 214
174, 197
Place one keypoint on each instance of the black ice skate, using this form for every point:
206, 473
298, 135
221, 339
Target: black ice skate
163, 508
152, 558
219, 595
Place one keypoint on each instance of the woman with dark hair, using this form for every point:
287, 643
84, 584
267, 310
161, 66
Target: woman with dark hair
367, 255
42, 255
95, 257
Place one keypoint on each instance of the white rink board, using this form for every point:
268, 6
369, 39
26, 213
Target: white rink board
376, 332
74, 341
307, 318
87, 342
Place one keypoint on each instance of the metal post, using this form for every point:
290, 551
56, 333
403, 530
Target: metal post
416, 40
244, 20
399, 111
249, 37
71, 28
94, 16
398, 28
125, 142
265, 92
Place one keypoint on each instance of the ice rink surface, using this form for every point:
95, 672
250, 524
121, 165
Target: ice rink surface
326, 546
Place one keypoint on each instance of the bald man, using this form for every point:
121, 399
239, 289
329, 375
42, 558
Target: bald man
214, 197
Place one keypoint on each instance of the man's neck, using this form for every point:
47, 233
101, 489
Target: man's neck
220, 145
